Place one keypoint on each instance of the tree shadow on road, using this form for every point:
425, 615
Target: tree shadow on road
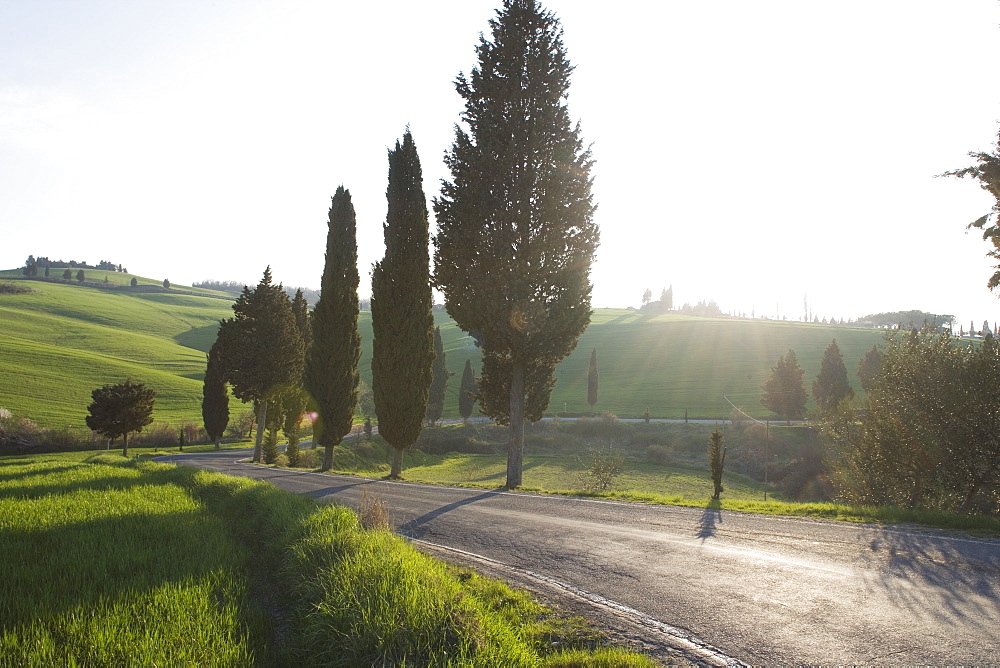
412, 529
953, 580
711, 516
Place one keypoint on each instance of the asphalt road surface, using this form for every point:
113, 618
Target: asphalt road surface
704, 585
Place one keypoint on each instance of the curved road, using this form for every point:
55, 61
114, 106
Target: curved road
720, 586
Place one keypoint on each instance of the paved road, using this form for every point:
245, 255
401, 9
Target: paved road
757, 589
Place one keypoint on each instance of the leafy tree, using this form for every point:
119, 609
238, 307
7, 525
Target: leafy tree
215, 396
667, 298
166, 284
646, 296
783, 393
928, 435
516, 236
467, 392
134, 281
68, 275
119, 410
405, 341
716, 461
831, 385
439, 380
592, 379
986, 170
262, 349
80, 276
331, 374
868, 368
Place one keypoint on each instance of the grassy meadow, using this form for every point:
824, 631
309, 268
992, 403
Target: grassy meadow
123, 562
62, 340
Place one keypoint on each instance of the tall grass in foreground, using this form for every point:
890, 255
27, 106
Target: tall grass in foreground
112, 562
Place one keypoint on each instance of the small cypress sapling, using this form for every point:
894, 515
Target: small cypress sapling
592, 379
466, 392
716, 461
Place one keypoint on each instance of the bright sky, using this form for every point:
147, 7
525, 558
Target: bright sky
754, 153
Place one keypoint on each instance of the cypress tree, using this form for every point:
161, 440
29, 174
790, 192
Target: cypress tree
831, 385
296, 399
467, 392
716, 461
516, 236
331, 376
261, 349
784, 393
402, 321
215, 396
439, 380
592, 379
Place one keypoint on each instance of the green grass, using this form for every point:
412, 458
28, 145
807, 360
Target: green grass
111, 561
62, 340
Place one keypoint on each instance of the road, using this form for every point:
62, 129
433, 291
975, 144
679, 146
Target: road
717, 586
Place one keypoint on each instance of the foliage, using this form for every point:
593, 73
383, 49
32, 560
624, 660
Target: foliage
404, 344
716, 461
516, 236
261, 348
604, 464
987, 172
868, 368
466, 391
118, 410
783, 393
894, 319
592, 379
928, 435
439, 381
831, 385
331, 372
215, 397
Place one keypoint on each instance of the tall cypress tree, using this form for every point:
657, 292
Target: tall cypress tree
402, 321
592, 379
516, 236
831, 385
215, 396
439, 380
262, 349
296, 399
331, 374
467, 391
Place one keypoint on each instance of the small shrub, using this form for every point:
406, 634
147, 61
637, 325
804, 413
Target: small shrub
310, 459
658, 454
604, 465
269, 449
281, 460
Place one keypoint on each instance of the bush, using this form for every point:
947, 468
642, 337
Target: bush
604, 466
658, 454
310, 459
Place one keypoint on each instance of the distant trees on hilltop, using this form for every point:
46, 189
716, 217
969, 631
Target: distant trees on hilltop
41, 264
311, 295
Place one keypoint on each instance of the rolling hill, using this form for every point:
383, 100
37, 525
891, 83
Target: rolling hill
61, 340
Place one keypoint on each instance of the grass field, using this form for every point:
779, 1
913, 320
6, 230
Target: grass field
116, 562
62, 340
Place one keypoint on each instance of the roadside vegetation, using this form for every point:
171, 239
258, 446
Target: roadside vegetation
113, 561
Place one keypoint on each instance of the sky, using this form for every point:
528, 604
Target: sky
772, 156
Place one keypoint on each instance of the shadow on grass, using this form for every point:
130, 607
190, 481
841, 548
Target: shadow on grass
711, 516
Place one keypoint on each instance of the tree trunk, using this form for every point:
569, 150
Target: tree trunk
218, 443
261, 419
125, 445
515, 446
397, 463
327, 457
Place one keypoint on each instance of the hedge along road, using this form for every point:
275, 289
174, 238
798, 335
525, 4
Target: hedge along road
719, 586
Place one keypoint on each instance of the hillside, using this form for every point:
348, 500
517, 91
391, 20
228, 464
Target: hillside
62, 340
